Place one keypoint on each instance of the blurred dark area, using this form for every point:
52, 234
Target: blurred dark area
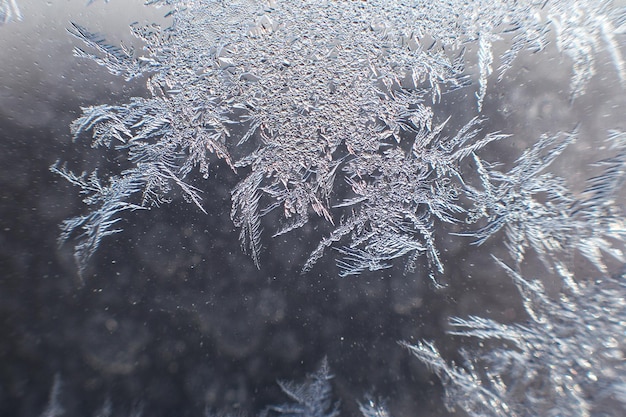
172, 317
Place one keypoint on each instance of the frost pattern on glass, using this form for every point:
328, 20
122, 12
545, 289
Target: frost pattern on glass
312, 398
537, 210
303, 95
398, 197
566, 359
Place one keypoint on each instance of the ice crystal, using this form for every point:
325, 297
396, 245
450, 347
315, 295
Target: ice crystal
301, 96
310, 399
566, 359
537, 209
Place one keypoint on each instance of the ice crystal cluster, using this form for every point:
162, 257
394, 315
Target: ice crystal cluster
567, 359
304, 98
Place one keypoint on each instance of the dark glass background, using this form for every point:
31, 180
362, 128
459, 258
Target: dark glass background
171, 316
